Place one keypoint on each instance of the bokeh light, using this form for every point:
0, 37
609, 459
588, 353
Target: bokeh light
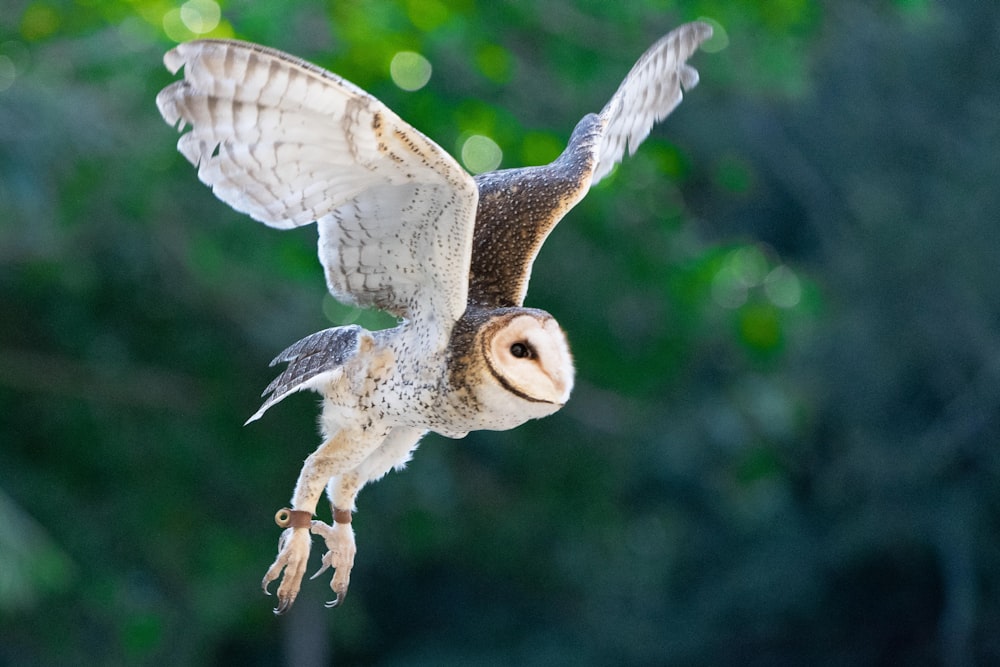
719, 39
494, 62
480, 154
195, 18
754, 267
427, 15
742, 269
410, 70
200, 16
783, 287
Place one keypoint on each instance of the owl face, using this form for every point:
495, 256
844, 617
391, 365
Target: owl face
527, 370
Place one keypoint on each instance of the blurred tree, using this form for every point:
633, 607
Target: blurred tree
783, 444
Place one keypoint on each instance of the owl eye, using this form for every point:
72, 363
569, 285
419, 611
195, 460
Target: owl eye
522, 351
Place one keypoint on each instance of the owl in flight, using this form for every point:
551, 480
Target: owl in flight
404, 229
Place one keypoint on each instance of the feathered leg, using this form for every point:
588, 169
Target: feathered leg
343, 452
342, 492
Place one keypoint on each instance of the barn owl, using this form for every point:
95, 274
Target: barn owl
402, 228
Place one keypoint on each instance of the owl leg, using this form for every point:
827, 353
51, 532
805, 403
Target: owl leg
342, 452
339, 536
343, 491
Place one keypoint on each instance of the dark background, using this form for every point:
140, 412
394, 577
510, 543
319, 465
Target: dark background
783, 444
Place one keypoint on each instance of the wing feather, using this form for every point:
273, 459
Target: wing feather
289, 143
652, 89
518, 208
312, 361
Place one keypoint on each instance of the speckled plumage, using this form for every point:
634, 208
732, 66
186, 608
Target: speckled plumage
403, 228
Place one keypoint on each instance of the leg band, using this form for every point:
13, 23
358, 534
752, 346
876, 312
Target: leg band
288, 518
341, 516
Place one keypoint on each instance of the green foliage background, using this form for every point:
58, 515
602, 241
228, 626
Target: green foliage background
783, 445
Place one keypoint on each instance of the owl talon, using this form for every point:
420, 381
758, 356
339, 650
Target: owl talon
293, 555
339, 540
283, 606
322, 568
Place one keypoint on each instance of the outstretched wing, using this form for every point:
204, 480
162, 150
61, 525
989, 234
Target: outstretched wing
519, 207
288, 142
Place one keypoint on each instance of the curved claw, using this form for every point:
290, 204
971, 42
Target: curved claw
322, 568
339, 540
341, 594
284, 604
290, 565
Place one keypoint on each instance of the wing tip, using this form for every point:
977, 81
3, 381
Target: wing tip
680, 44
257, 415
703, 30
273, 398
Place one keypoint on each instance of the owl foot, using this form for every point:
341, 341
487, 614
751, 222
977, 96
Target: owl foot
293, 554
339, 540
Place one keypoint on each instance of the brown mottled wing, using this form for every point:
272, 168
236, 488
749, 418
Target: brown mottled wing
288, 143
519, 207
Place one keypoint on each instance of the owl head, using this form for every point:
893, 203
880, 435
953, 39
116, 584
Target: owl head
517, 365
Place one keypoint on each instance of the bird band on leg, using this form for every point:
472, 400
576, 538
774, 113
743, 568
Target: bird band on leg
341, 516
289, 518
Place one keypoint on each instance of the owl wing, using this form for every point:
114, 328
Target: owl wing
312, 362
519, 207
288, 143
651, 90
